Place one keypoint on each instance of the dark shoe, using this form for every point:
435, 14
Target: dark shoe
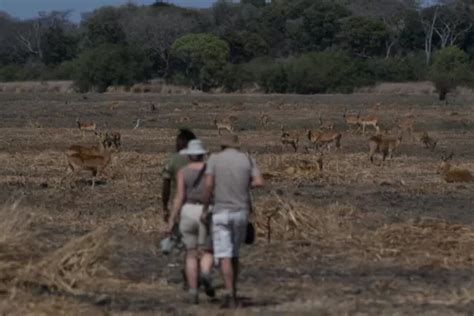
185, 280
229, 303
208, 289
193, 297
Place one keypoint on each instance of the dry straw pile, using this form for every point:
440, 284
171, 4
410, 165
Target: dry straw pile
425, 241
72, 267
278, 218
413, 243
288, 167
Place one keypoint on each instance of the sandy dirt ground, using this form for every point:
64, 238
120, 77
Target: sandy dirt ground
353, 239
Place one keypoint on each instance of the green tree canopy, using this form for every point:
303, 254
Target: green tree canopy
363, 36
104, 26
108, 65
200, 59
450, 68
58, 46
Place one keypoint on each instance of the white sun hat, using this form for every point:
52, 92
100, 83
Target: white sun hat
195, 147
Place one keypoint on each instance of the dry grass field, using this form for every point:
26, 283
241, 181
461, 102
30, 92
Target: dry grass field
353, 239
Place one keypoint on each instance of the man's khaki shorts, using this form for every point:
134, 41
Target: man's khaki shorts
195, 233
228, 232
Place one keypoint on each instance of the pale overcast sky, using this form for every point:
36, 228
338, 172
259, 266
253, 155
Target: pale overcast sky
30, 8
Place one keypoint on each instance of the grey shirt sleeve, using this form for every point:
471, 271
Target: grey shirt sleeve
211, 166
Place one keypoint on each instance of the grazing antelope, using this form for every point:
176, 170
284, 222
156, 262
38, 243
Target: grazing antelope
91, 158
137, 124
291, 139
86, 127
351, 119
116, 138
320, 163
428, 141
406, 125
325, 125
384, 145
114, 105
369, 120
326, 139
183, 119
264, 120
91, 127
224, 123
453, 175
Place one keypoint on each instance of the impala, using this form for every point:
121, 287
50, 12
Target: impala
93, 158
383, 144
351, 119
320, 138
369, 120
325, 125
291, 139
225, 123
451, 175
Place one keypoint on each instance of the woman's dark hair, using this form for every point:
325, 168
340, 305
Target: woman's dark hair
196, 158
184, 137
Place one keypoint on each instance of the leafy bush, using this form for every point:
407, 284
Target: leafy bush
328, 71
274, 79
236, 77
108, 65
363, 36
450, 68
9, 72
398, 69
201, 58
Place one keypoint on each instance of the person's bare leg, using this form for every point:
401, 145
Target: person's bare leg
192, 273
227, 274
235, 275
192, 268
206, 263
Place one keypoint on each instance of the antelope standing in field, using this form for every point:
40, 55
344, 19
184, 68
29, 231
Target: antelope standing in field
325, 125
114, 105
116, 138
351, 119
428, 141
93, 158
383, 144
406, 125
225, 123
369, 120
264, 120
320, 138
451, 175
86, 127
291, 139
183, 119
83, 126
137, 124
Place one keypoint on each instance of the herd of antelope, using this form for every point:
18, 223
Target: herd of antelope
382, 142
96, 157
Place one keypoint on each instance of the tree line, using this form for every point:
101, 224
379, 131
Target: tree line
286, 46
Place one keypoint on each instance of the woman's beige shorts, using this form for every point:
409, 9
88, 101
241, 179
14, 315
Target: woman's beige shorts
195, 233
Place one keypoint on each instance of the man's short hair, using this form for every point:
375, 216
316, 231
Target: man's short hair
184, 137
186, 134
